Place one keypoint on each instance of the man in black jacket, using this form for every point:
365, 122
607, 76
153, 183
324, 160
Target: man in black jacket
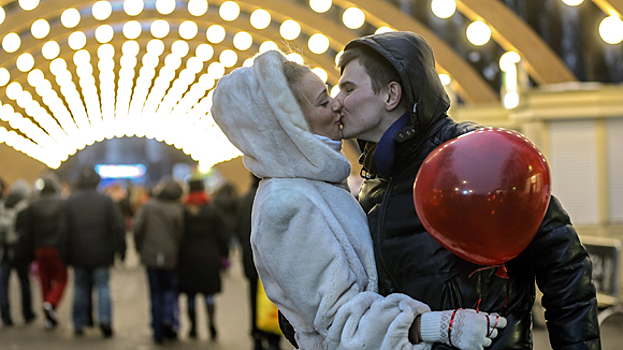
394, 104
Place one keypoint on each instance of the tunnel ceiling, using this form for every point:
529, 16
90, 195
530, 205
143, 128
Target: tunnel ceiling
73, 73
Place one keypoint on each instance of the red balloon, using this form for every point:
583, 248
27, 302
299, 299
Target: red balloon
483, 195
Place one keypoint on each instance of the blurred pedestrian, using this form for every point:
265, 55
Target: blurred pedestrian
42, 232
243, 234
202, 249
158, 228
11, 256
225, 200
92, 233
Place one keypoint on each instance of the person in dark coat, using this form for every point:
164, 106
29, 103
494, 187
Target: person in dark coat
203, 247
42, 232
158, 229
12, 254
92, 233
393, 102
243, 234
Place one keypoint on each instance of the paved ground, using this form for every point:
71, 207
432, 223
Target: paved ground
131, 318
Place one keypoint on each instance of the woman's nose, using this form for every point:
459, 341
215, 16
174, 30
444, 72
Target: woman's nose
336, 106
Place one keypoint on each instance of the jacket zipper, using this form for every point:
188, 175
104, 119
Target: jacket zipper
379, 234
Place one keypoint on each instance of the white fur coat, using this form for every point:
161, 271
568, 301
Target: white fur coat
310, 238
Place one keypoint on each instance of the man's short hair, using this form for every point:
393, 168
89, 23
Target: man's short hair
380, 70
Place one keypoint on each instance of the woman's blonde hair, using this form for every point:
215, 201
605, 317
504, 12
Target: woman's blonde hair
294, 72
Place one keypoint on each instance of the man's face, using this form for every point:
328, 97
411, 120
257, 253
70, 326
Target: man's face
362, 110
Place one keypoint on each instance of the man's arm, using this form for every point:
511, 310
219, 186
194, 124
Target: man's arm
563, 273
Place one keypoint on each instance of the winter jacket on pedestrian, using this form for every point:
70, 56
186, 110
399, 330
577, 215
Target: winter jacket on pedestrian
159, 226
13, 247
92, 230
203, 245
42, 220
410, 261
310, 240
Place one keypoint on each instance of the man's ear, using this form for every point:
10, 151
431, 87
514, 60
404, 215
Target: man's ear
394, 96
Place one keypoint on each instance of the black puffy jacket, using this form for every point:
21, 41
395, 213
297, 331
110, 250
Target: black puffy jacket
410, 261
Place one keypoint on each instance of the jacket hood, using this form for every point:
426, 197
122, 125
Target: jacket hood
169, 189
413, 58
258, 113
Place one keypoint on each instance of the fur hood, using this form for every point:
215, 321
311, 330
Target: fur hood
259, 115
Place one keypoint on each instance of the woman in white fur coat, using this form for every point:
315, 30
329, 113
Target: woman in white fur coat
310, 239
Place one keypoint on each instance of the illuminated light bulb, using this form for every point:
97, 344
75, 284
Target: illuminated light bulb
28, 5
383, 29
70, 18
229, 11
165, 7
13, 90
197, 7
478, 33
445, 79
248, 62
295, 57
40, 28
228, 58
180, 48
5, 76
290, 29
35, 77
320, 6
267, 46
77, 40
511, 100
260, 19
106, 51
443, 8
82, 57
25, 62
204, 52
11, 42
243, 41
216, 70
160, 28
104, 33
611, 30
188, 29
321, 73
155, 47
101, 10
334, 91
572, 2
130, 48
508, 60
215, 34
133, 7
57, 66
353, 18
194, 65
318, 43
2, 15
132, 29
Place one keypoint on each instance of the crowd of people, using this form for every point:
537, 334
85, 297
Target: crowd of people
181, 232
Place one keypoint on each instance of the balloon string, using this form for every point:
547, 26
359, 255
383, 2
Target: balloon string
478, 306
501, 272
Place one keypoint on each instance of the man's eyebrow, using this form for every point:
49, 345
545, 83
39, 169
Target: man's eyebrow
347, 82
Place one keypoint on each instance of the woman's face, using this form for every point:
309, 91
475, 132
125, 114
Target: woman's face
320, 109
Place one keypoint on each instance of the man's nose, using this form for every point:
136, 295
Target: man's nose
337, 105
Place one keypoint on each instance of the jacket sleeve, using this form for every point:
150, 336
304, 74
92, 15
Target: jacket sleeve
117, 229
306, 274
138, 225
563, 272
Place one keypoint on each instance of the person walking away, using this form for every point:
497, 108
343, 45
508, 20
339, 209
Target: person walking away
92, 232
11, 257
42, 229
158, 229
203, 247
